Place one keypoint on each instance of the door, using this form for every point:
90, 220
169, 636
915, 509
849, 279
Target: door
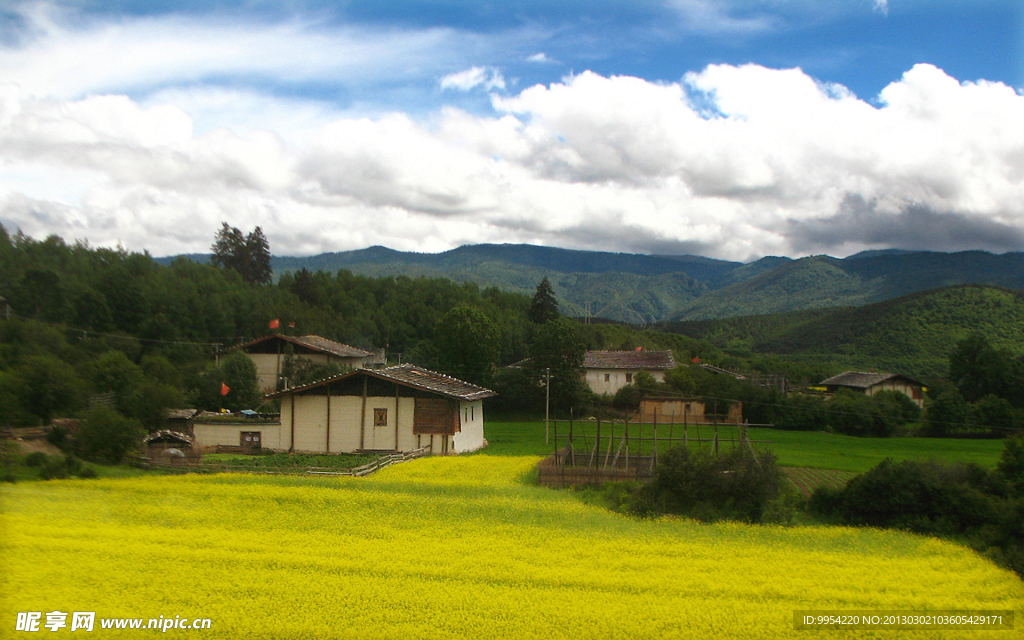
250, 441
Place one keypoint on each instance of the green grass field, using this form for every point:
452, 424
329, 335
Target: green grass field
793, 448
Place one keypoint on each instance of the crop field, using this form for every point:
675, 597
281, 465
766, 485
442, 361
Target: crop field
792, 448
806, 480
449, 548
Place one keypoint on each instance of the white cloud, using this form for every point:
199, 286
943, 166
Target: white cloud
539, 57
773, 162
881, 6
68, 55
488, 78
716, 16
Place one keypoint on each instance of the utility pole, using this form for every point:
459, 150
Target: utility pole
547, 406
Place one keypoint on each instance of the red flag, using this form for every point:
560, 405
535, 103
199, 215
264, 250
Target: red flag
292, 324
275, 323
224, 389
696, 359
639, 348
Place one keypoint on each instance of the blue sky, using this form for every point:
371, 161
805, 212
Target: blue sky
732, 129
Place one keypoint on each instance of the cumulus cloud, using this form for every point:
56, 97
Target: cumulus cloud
733, 162
473, 77
881, 6
539, 57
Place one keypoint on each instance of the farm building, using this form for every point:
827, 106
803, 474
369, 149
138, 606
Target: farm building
399, 408
872, 383
685, 410
169, 446
269, 352
608, 371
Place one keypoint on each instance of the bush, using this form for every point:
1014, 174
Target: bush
107, 436
927, 497
36, 459
734, 485
879, 415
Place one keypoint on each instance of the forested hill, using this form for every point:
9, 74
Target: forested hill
911, 334
643, 288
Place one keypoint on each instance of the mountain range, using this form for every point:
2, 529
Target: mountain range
642, 289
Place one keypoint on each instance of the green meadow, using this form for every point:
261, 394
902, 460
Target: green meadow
814, 449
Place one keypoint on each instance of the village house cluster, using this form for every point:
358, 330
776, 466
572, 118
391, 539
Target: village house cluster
400, 408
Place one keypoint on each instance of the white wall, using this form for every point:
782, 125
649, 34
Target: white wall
616, 379
210, 435
471, 437
345, 437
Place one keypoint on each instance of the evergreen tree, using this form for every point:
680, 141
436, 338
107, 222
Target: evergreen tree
248, 255
544, 307
257, 250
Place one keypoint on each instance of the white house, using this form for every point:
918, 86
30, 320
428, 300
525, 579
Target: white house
268, 354
399, 408
608, 371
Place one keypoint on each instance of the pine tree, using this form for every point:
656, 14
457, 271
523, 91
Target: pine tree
544, 307
248, 255
258, 256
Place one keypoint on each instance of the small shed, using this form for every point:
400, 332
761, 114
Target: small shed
398, 408
872, 383
169, 446
608, 371
685, 410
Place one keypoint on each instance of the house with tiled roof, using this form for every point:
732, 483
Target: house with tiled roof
400, 408
872, 383
608, 371
269, 352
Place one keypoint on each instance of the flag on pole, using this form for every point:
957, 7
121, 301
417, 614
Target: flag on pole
696, 360
224, 389
275, 323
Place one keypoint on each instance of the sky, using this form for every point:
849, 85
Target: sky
732, 129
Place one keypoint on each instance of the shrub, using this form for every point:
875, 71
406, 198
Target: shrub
701, 485
107, 436
36, 459
927, 497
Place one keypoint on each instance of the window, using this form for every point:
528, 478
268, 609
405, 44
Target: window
629, 378
607, 377
380, 417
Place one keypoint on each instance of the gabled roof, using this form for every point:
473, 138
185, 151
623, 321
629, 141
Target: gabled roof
861, 380
629, 360
408, 375
315, 343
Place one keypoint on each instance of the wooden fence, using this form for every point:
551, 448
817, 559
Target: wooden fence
595, 451
360, 471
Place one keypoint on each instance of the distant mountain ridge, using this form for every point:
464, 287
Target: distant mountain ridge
640, 289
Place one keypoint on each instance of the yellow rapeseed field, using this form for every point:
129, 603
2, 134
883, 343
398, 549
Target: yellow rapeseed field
449, 548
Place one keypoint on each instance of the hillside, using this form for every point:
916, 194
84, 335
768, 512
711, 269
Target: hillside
650, 288
911, 334
822, 282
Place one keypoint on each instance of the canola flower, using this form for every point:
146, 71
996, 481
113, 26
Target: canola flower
450, 548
